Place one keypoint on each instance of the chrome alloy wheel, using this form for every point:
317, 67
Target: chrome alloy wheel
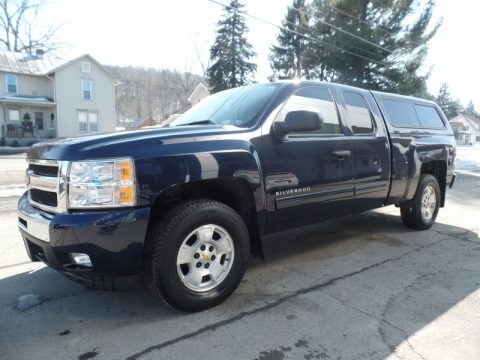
429, 202
205, 257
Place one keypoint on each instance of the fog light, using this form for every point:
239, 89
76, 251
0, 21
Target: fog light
81, 259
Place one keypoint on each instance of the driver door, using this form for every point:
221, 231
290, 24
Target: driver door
308, 175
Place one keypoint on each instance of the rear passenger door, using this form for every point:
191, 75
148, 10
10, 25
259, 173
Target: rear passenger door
371, 154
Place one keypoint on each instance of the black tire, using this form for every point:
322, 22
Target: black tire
411, 211
167, 235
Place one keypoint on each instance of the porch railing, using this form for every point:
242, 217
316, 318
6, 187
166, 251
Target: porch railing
20, 131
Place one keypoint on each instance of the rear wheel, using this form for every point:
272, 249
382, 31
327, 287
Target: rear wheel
197, 255
420, 212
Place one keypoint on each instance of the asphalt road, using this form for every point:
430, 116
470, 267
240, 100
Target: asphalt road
360, 287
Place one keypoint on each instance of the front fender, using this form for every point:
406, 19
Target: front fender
181, 163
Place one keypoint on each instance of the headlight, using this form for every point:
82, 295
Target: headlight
101, 183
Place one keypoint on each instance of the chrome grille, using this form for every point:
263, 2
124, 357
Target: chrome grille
46, 180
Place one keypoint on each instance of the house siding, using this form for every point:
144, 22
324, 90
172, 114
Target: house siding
28, 85
68, 81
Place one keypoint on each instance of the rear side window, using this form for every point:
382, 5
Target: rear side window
358, 113
320, 100
401, 113
429, 117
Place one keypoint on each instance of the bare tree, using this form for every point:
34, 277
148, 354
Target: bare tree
152, 93
19, 27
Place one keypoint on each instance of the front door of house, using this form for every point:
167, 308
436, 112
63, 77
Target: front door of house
39, 125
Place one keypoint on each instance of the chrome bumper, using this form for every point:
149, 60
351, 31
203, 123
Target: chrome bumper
32, 221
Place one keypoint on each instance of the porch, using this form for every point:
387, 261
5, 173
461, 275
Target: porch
26, 131
24, 122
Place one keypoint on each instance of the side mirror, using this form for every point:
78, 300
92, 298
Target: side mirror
298, 121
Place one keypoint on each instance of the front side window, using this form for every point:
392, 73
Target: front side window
358, 113
87, 121
13, 115
11, 81
319, 100
87, 89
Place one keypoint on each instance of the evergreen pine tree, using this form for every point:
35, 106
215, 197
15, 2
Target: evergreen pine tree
470, 110
396, 32
289, 58
400, 28
450, 107
231, 52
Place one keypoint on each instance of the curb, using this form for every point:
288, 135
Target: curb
8, 150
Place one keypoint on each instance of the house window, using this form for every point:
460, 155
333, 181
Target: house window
92, 121
87, 121
85, 67
13, 115
87, 89
11, 81
39, 120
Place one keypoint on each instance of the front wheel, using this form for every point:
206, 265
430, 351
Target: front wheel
420, 212
197, 255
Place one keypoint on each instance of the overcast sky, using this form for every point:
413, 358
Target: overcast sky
179, 33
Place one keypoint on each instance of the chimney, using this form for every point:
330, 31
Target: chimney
39, 53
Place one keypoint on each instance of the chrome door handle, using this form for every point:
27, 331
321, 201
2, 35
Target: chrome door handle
341, 154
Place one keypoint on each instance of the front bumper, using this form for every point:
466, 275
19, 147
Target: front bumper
112, 239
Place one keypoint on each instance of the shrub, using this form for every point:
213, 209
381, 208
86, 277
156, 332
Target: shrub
2, 141
31, 143
15, 143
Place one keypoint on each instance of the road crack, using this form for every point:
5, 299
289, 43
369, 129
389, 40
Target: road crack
279, 301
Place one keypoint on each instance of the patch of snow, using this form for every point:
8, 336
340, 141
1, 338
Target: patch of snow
28, 301
12, 190
468, 158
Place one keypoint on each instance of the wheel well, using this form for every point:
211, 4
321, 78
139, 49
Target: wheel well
235, 193
438, 169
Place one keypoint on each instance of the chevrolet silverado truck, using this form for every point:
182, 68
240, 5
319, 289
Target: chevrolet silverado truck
184, 206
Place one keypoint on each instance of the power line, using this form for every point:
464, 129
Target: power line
349, 33
300, 34
357, 18
317, 33
367, 22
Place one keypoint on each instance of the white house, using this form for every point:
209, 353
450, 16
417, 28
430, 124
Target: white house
466, 129
45, 98
198, 94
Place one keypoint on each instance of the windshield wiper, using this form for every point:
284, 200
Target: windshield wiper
199, 122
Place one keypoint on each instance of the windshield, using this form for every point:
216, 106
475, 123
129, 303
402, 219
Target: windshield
238, 107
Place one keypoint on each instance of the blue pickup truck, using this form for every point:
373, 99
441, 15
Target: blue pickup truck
184, 206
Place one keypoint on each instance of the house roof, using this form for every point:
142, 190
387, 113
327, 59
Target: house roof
475, 119
26, 64
198, 88
19, 63
90, 57
137, 123
38, 100
472, 121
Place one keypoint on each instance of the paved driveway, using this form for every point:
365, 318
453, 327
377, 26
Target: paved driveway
361, 287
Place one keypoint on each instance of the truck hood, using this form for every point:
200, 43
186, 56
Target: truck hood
79, 148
